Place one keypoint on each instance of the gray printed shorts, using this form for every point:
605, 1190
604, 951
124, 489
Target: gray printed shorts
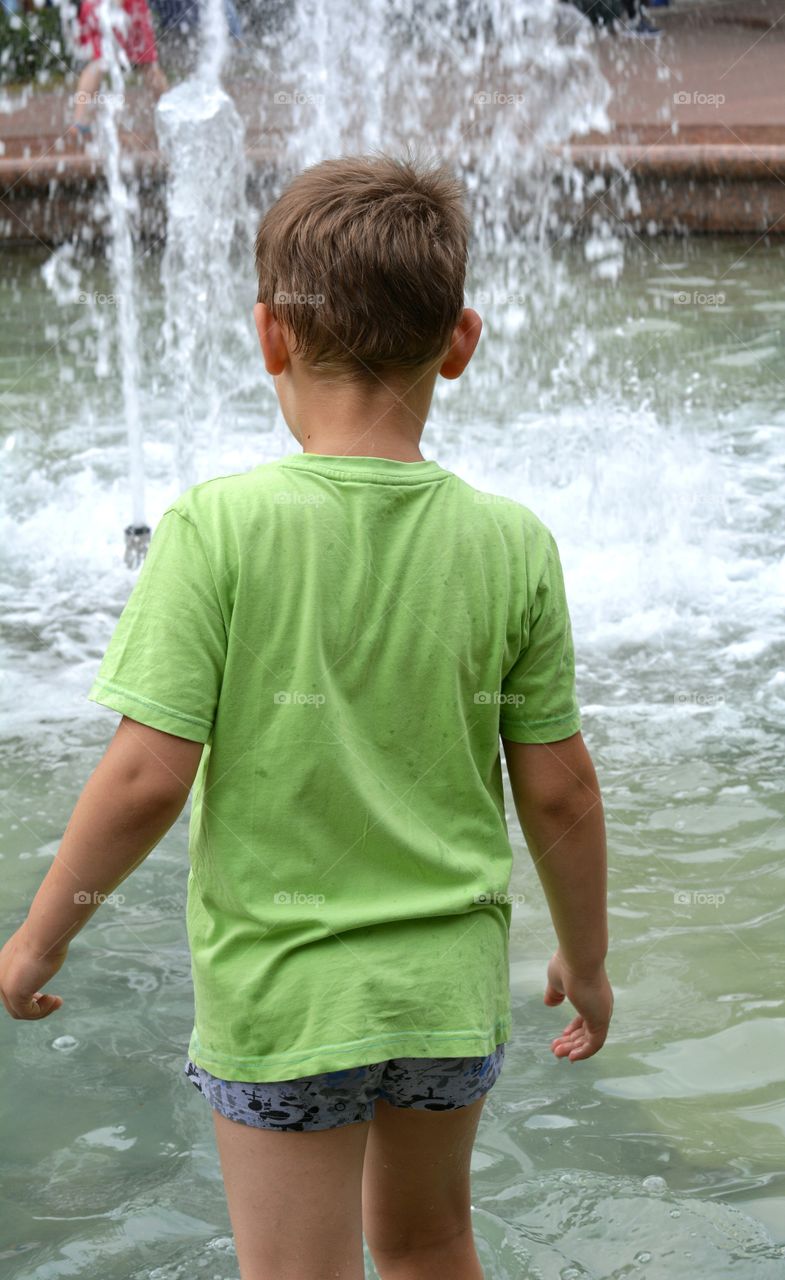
336, 1098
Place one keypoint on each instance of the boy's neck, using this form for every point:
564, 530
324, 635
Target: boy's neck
367, 445
376, 421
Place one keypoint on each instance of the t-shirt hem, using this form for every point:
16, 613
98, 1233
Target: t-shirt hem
149, 712
465, 1043
552, 730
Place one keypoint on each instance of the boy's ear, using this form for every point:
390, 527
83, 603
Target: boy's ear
271, 339
466, 335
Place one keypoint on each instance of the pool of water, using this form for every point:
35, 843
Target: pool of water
637, 408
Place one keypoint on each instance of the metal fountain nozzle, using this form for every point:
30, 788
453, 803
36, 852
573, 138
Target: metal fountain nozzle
137, 540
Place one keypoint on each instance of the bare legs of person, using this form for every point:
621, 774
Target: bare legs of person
299, 1203
89, 84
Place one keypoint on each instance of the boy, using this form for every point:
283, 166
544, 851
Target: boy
335, 642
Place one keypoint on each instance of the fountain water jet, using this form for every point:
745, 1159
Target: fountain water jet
61, 274
123, 208
202, 136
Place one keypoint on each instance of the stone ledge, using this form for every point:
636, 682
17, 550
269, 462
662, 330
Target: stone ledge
730, 163
685, 185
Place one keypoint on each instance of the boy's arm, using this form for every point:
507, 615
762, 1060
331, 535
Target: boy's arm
129, 802
558, 802
557, 799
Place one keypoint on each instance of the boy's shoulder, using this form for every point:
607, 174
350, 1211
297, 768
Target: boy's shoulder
508, 513
228, 493
233, 496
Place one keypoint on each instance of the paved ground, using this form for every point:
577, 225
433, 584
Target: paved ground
705, 101
718, 63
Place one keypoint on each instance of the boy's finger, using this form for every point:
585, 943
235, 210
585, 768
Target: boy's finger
46, 1004
593, 1045
560, 1050
38, 1006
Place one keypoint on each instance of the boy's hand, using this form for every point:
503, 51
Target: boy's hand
592, 997
23, 971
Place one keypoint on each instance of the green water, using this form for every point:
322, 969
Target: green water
648, 434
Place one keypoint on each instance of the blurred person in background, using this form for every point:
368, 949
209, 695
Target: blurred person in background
136, 39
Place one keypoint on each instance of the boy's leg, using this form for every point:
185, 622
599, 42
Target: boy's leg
417, 1193
87, 87
294, 1200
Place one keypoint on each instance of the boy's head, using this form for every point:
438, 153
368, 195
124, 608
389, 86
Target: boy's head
361, 264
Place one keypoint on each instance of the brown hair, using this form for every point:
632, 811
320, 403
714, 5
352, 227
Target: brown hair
363, 260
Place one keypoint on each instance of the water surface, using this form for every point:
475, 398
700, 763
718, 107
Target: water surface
647, 431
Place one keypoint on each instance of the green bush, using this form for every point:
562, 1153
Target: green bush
31, 44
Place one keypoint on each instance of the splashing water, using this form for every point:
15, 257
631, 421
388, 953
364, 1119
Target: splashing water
491, 87
494, 89
202, 136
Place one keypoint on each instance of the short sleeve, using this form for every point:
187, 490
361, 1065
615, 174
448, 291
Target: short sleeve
538, 699
165, 660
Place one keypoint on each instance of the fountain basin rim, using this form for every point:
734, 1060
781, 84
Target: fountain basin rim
723, 161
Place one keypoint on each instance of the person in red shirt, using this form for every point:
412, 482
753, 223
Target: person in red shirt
136, 38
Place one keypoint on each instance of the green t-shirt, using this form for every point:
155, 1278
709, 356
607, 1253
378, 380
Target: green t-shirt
348, 636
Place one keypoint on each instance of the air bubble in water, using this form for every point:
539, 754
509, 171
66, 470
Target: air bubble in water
655, 1184
64, 1044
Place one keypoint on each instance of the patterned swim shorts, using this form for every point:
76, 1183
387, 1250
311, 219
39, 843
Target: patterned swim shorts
336, 1098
